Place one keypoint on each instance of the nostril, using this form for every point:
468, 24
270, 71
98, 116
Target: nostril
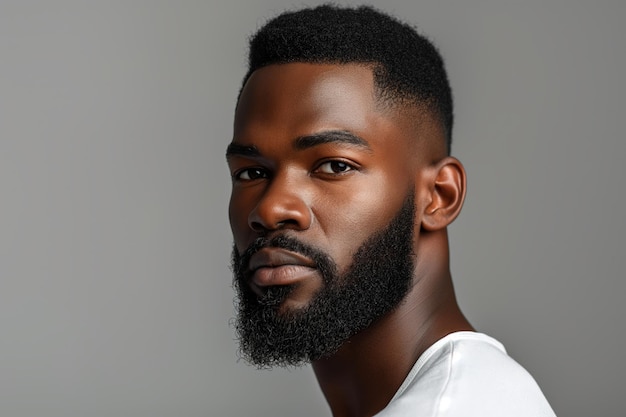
257, 227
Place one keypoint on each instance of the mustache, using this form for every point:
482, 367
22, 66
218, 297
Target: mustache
322, 261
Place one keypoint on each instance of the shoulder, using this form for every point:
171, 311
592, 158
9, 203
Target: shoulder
468, 374
482, 377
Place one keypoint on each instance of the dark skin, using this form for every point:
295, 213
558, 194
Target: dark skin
317, 156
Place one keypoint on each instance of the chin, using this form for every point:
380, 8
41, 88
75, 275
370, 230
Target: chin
293, 306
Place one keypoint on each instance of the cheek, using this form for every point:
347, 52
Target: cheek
238, 216
353, 215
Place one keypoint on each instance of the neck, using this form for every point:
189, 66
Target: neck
362, 377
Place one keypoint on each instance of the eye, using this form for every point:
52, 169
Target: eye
335, 167
250, 174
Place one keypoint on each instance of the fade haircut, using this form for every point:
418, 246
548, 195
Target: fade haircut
407, 67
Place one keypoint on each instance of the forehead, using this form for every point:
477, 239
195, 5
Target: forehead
282, 102
300, 98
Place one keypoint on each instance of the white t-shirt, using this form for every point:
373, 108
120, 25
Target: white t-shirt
467, 374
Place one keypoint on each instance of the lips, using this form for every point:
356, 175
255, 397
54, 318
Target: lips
275, 266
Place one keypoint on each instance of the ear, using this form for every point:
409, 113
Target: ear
447, 193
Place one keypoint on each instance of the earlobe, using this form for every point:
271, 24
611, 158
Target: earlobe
447, 193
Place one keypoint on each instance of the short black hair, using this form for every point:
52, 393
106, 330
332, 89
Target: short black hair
406, 65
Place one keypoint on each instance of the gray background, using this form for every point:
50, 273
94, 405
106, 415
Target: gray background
115, 295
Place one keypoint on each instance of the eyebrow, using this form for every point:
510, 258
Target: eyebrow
304, 142
330, 136
241, 150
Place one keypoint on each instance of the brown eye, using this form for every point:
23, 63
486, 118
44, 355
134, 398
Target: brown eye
335, 167
250, 174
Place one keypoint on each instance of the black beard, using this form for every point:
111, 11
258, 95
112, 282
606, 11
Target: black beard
378, 279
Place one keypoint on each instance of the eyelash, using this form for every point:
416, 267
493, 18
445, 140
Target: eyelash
345, 164
263, 173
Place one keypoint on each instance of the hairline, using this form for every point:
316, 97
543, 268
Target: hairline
386, 100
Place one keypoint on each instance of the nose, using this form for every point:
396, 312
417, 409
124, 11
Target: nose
283, 205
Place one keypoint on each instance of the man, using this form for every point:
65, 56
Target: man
343, 186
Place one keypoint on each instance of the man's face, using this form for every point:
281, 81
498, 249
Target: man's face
322, 209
